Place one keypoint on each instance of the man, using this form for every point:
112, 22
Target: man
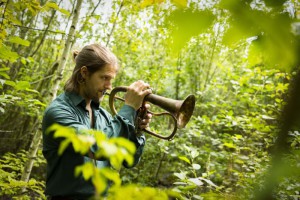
78, 107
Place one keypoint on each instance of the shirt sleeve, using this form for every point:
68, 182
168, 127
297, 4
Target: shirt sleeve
122, 124
61, 115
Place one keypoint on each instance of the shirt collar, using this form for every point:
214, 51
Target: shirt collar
77, 99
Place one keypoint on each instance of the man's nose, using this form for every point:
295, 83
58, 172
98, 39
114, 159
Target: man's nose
108, 85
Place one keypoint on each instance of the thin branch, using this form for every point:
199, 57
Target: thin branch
4, 13
36, 29
114, 25
42, 79
87, 18
46, 31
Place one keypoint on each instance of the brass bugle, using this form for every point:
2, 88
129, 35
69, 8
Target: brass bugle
180, 110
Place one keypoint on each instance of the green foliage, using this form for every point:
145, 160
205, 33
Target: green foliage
11, 167
224, 48
188, 23
116, 150
224, 153
273, 42
138, 192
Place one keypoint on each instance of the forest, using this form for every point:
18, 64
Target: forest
240, 58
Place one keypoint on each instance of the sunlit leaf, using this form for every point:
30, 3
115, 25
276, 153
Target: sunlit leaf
63, 145
64, 11
180, 3
187, 23
196, 181
7, 54
122, 142
10, 83
52, 5
208, 181
100, 182
229, 145
184, 159
188, 188
146, 3
111, 175
181, 175
196, 166
31, 90
22, 85
4, 74
87, 170
61, 131
18, 40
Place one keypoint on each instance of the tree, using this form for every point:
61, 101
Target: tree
60, 70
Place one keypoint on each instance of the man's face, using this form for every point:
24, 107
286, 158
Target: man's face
100, 81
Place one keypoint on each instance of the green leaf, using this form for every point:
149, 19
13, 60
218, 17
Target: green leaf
229, 145
4, 69
186, 23
87, 170
122, 142
63, 11
7, 55
184, 159
208, 181
196, 166
22, 85
181, 176
56, 7
51, 5
267, 117
10, 83
63, 145
146, 3
188, 188
4, 74
31, 90
180, 3
100, 182
2, 110
111, 175
18, 40
277, 3
196, 181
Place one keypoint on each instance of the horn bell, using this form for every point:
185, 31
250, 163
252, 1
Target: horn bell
181, 109
186, 111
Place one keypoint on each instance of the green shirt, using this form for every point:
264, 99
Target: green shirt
68, 109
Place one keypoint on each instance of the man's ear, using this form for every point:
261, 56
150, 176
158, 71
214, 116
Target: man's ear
84, 71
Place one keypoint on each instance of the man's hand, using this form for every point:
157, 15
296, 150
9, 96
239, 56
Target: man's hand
136, 93
145, 121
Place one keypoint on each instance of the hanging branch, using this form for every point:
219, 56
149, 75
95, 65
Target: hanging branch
114, 25
86, 20
92, 13
37, 29
3, 14
46, 31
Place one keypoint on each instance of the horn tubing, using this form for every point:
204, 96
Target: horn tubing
180, 110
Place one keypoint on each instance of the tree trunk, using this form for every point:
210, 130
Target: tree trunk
70, 38
31, 156
86, 21
61, 66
